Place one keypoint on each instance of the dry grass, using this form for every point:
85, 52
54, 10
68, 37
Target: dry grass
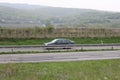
50, 32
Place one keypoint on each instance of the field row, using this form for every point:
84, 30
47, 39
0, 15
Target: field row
50, 32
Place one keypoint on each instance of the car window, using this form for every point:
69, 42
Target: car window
60, 41
66, 41
63, 41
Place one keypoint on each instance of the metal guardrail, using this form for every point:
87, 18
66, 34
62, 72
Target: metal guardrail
43, 46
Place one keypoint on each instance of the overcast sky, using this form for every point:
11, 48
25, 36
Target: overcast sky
109, 5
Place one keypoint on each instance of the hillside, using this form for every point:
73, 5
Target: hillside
23, 15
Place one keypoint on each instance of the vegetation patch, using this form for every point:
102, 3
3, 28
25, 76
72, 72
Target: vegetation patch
51, 32
85, 70
41, 41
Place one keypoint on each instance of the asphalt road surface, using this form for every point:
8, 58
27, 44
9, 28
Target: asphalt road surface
56, 57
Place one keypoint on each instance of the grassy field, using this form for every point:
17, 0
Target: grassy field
23, 41
79, 70
43, 40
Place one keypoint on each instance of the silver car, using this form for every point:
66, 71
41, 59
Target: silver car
59, 42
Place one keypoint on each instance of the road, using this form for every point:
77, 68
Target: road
56, 57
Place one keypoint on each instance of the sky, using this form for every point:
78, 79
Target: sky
106, 5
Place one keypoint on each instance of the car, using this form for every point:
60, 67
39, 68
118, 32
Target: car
59, 42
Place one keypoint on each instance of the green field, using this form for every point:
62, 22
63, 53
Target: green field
79, 70
88, 40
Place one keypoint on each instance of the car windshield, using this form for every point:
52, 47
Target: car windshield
54, 40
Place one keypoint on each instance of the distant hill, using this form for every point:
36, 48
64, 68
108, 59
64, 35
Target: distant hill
24, 15
21, 6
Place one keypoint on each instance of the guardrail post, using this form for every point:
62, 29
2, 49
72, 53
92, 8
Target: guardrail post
112, 48
81, 48
12, 50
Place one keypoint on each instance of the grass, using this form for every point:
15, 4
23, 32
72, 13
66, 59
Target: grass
23, 41
88, 40
79, 70
96, 40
